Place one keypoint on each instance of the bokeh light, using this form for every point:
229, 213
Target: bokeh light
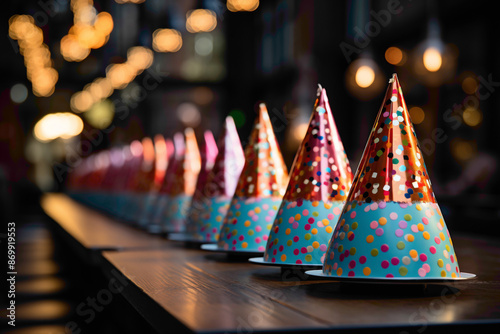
81, 101
101, 114
139, 58
167, 40
189, 114
242, 5
36, 54
299, 131
18, 93
90, 31
417, 115
200, 20
238, 117
432, 59
472, 117
365, 76
394, 56
463, 150
58, 125
469, 85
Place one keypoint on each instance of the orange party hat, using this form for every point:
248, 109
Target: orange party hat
259, 191
391, 226
183, 185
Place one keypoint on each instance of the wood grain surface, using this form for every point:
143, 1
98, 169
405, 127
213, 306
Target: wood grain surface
206, 292
94, 230
180, 289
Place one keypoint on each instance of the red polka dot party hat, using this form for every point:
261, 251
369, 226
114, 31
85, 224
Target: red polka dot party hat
319, 183
259, 191
212, 200
182, 186
391, 226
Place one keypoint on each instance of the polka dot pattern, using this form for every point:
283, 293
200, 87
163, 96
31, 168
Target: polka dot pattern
259, 191
212, 199
206, 218
409, 254
265, 173
400, 230
321, 170
175, 214
320, 181
182, 186
159, 208
187, 168
247, 223
392, 167
301, 232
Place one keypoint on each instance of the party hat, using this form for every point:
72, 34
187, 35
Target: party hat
208, 154
391, 226
126, 199
155, 221
258, 193
212, 200
164, 149
113, 175
144, 179
319, 183
182, 187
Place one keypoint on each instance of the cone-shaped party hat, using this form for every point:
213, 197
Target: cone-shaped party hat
145, 177
143, 180
259, 191
208, 154
391, 226
164, 151
183, 186
319, 183
179, 147
210, 208
126, 200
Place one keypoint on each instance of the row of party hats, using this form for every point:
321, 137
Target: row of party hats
383, 223
386, 225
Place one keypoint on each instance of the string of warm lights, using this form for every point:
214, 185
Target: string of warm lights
118, 76
36, 54
89, 31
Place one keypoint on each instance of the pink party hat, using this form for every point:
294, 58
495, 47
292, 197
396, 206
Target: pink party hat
213, 199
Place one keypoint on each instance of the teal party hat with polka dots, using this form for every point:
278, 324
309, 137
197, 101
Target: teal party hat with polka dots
391, 226
258, 193
320, 180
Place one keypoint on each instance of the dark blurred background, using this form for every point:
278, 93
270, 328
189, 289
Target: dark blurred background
272, 51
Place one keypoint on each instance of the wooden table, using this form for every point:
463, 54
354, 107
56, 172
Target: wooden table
206, 293
176, 289
94, 230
